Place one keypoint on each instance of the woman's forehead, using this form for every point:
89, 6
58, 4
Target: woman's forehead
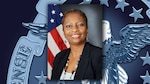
74, 18
73, 13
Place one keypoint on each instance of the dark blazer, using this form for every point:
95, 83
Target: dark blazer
89, 67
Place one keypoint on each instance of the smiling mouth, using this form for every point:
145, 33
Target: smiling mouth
75, 36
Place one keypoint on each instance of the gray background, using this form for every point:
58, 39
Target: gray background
94, 16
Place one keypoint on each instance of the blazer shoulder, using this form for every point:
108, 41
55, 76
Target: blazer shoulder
95, 48
62, 53
60, 56
95, 53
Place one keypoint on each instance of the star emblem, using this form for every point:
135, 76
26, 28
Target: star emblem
136, 14
121, 4
105, 2
60, 82
58, 1
146, 78
147, 2
86, 2
146, 59
41, 78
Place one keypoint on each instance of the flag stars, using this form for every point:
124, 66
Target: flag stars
136, 14
61, 14
52, 20
54, 4
53, 12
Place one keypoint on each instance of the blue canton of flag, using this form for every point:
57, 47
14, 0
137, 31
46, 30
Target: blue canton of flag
54, 16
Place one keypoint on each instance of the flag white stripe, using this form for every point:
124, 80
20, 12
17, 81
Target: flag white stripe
52, 45
49, 71
60, 31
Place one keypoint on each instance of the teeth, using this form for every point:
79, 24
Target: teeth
75, 36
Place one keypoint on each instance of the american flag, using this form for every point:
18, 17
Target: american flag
56, 39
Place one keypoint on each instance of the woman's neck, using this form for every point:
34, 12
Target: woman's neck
76, 50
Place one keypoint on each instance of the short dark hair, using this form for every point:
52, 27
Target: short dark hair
75, 11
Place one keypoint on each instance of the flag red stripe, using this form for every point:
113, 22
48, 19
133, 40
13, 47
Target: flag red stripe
50, 57
58, 40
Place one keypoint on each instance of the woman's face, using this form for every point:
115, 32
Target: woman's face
75, 28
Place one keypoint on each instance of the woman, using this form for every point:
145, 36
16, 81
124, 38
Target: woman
82, 60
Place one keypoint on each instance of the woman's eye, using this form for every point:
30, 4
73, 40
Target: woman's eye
68, 26
80, 25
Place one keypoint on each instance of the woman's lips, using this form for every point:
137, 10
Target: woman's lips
75, 36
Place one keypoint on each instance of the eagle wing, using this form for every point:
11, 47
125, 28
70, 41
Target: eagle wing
134, 37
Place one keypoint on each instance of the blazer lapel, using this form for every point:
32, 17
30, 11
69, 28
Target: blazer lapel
83, 63
62, 63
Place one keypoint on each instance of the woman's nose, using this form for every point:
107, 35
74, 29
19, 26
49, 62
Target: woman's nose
75, 28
